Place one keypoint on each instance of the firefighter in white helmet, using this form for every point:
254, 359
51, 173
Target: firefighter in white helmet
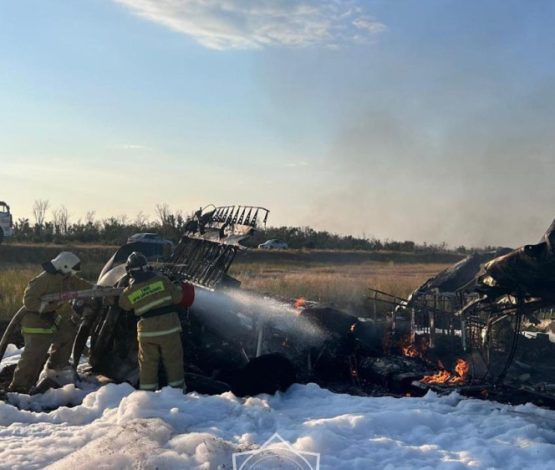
43, 326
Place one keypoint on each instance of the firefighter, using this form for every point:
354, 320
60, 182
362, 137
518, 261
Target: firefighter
43, 325
153, 298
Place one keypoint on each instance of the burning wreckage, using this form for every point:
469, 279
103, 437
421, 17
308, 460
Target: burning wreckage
486, 323
233, 340
471, 321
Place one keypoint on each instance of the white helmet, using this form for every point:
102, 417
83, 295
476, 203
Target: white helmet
66, 263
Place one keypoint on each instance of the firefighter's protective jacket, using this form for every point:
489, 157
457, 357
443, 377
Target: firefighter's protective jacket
43, 321
152, 297
44, 326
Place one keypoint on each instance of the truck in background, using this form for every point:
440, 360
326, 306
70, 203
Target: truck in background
6, 221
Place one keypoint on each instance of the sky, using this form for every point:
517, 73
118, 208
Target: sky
427, 120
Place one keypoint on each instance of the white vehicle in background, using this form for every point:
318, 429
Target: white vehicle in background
6, 221
274, 244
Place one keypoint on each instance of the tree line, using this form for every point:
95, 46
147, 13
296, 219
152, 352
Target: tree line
55, 226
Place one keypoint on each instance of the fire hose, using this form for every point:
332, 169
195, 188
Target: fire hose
188, 299
14, 322
57, 297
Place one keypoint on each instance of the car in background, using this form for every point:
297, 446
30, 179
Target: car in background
165, 246
274, 244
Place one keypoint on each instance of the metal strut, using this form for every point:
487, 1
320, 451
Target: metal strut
211, 241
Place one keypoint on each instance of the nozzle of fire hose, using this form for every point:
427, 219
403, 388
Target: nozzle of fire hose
188, 291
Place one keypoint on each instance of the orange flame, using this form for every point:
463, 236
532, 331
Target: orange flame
462, 369
445, 377
300, 303
409, 349
440, 378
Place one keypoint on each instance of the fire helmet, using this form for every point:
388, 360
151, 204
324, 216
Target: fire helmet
136, 261
66, 263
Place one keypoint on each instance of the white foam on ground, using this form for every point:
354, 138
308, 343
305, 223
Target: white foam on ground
118, 427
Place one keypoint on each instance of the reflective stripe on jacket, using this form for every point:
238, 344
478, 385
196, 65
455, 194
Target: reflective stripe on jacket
152, 292
34, 323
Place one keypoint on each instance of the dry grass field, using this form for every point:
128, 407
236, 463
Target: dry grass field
336, 278
13, 280
342, 285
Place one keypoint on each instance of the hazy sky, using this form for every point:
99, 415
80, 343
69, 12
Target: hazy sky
430, 120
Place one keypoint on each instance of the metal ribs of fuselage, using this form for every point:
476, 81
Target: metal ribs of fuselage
240, 215
201, 262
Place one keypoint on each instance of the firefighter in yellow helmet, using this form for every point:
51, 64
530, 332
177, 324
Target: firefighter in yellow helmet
44, 326
153, 298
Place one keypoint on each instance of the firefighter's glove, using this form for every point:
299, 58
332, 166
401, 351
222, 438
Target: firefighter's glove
50, 307
77, 310
78, 306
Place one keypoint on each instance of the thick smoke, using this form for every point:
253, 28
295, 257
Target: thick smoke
441, 131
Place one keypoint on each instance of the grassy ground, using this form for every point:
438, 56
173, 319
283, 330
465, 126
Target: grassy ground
342, 285
332, 277
13, 280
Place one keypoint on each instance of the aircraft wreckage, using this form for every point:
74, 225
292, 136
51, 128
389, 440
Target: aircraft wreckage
485, 323
463, 329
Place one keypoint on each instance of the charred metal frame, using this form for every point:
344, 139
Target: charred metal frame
211, 241
484, 330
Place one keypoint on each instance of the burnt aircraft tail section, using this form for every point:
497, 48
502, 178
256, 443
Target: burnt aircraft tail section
211, 241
